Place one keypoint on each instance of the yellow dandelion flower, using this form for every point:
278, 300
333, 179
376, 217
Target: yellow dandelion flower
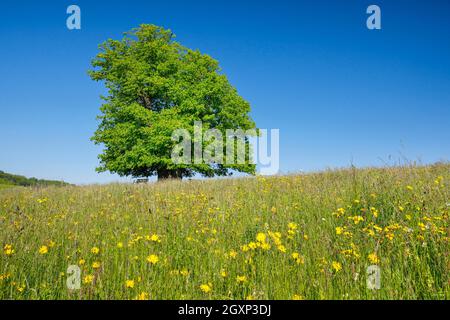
43, 250
81, 262
96, 265
223, 274
336, 266
206, 288
88, 279
241, 279
261, 237
129, 284
281, 248
373, 258
95, 250
8, 249
232, 254
153, 259
155, 238
339, 230
119, 245
142, 296
297, 297
292, 226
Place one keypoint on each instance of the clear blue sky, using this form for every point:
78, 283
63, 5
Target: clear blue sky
338, 92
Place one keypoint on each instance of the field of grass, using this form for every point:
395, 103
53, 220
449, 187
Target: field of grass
306, 236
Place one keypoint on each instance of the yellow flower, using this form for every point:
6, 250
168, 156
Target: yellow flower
373, 258
410, 188
119, 245
43, 250
8, 249
96, 265
292, 226
336, 266
95, 250
241, 279
155, 238
129, 284
249, 297
81, 262
233, 254
206, 288
339, 230
297, 297
153, 259
273, 210
223, 274
184, 272
282, 248
298, 258
390, 236
143, 296
88, 279
261, 237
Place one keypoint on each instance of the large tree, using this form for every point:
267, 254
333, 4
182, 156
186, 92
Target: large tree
155, 86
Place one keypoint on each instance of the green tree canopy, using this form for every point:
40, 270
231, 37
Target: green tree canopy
155, 85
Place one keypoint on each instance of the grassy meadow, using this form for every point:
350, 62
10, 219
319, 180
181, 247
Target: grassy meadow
309, 236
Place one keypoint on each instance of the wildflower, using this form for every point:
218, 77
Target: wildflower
81, 262
373, 258
410, 188
153, 259
95, 250
223, 273
233, 254
8, 249
119, 245
252, 245
281, 248
143, 296
292, 226
374, 212
261, 237
96, 265
88, 279
43, 250
298, 258
336, 266
129, 284
249, 297
206, 288
297, 297
184, 272
390, 236
339, 230
155, 238
241, 279
273, 210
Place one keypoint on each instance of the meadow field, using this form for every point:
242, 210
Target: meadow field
308, 236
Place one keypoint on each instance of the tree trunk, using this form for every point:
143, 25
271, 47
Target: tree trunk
164, 174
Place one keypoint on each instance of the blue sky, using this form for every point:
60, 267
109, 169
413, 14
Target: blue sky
338, 92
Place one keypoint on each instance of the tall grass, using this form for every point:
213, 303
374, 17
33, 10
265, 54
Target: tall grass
306, 236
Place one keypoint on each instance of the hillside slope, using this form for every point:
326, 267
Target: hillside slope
310, 236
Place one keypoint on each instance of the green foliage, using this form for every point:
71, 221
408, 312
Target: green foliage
156, 85
7, 179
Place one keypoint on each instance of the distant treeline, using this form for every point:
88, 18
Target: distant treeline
12, 179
